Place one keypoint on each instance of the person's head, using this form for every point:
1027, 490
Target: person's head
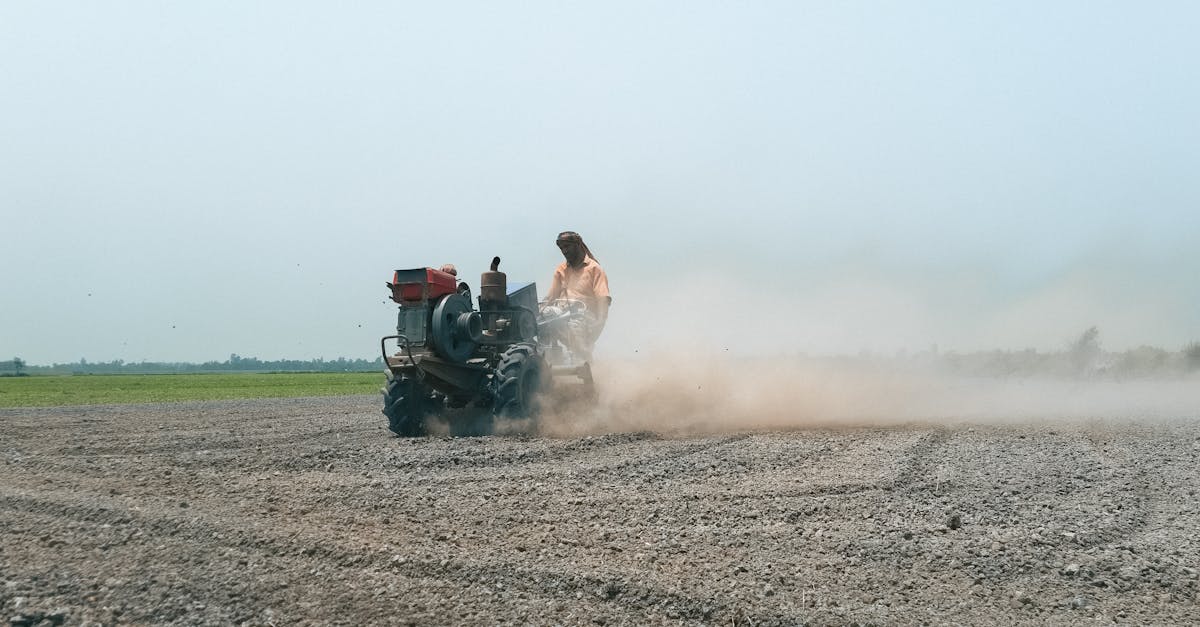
572, 247
449, 269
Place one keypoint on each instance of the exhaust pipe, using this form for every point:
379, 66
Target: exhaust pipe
493, 288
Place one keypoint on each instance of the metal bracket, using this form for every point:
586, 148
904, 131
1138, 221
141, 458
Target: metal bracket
407, 349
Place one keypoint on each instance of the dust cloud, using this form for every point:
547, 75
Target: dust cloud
706, 353
693, 394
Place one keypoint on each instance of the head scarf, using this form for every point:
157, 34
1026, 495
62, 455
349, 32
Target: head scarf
572, 236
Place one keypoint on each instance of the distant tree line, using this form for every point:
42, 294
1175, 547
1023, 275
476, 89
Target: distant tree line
235, 363
14, 367
1081, 357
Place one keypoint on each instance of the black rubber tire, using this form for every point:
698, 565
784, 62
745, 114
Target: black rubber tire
519, 383
404, 407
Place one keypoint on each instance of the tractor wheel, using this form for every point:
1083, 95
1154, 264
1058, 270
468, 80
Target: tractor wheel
519, 382
404, 406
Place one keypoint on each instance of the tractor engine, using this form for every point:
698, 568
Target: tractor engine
434, 315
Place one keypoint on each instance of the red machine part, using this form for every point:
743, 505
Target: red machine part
421, 284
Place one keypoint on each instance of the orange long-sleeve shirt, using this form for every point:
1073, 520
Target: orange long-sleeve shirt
587, 283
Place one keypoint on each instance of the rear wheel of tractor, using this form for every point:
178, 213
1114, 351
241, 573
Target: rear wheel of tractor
404, 407
519, 382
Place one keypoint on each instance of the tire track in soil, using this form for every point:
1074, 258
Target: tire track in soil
590, 473
922, 456
919, 462
483, 456
999, 573
191, 442
195, 532
1132, 522
916, 461
617, 589
672, 454
190, 454
1132, 519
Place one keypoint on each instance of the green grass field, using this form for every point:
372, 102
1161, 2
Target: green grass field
165, 388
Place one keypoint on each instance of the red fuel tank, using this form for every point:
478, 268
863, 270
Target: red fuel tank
421, 284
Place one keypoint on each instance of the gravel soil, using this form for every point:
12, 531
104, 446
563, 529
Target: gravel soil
308, 511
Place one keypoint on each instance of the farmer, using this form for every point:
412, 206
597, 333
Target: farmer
581, 278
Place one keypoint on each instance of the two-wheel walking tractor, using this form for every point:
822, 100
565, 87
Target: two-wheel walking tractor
475, 367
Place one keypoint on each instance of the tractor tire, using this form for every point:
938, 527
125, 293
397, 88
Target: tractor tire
404, 407
520, 381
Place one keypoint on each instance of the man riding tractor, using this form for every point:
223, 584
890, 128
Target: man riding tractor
580, 282
497, 361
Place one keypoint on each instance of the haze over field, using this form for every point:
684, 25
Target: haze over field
185, 181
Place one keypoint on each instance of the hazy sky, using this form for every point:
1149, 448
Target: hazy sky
182, 181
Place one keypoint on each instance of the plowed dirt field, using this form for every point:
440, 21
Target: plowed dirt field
308, 511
